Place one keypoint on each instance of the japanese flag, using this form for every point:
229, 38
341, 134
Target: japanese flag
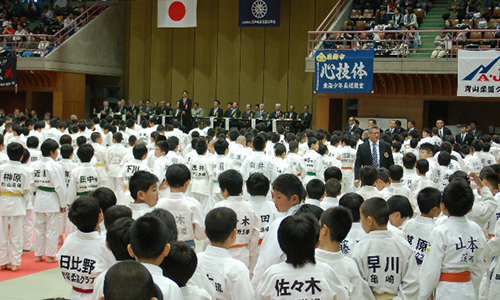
177, 13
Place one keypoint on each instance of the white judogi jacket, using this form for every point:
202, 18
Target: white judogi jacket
309, 281
417, 232
369, 191
348, 273
472, 164
114, 155
248, 229
200, 170
139, 209
457, 246
188, 216
280, 166
193, 292
225, 277
218, 164
169, 288
257, 162
266, 212
329, 202
387, 263
409, 175
101, 160
68, 166
314, 166
420, 183
15, 189
238, 153
84, 179
82, 258
129, 169
297, 164
355, 235
47, 173
441, 176
174, 157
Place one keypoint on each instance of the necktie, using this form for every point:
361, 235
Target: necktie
375, 156
440, 133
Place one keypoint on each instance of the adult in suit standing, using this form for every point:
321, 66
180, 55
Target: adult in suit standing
442, 131
474, 131
464, 138
411, 126
185, 105
373, 152
353, 128
305, 118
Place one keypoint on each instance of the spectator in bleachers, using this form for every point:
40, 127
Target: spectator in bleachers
440, 42
348, 36
476, 9
448, 25
410, 18
382, 18
413, 39
329, 42
456, 10
391, 6
397, 17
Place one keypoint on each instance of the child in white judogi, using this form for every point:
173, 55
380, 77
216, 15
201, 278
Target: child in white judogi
258, 161
245, 248
280, 165
335, 224
396, 153
239, 152
68, 164
162, 163
258, 187
309, 278
219, 163
296, 161
50, 200
487, 158
422, 181
352, 201
315, 189
29, 218
472, 163
200, 170
84, 254
396, 174
140, 153
409, 173
85, 178
172, 155
100, 156
314, 164
454, 264
144, 192
32, 142
227, 277
114, 155
333, 190
442, 173
386, 261
347, 157
427, 152
186, 210
15, 193
418, 230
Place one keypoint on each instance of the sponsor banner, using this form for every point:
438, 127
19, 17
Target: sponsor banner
260, 13
478, 73
8, 71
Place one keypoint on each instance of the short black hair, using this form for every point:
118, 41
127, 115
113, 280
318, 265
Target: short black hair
428, 198
148, 237
220, 146
258, 184
333, 172
114, 213
32, 142
177, 175
15, 151
106, 198
259, 143
139, 151
298, 236
163, 146
427, 147
289, 185
353, 202
310, 209
84, 213
201, 147
141, 181
444, 158
130, 280
458, 197
383, 174
85, 153
118, 137
279, 149
48, 146
180, 263
397, 146
333, 187
315, 189
459, 174
66, 151
220, 223
339, 222
118, 238
368, 175
173, 142
422, 166
401, 204
396, 172
232, 181
293, 145
81, 140
65, 139
169, 222
26, 156
377, 208
465, 149
409, 160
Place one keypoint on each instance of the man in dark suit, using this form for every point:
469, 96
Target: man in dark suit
474, 131
305, 118
277, 113
292, 114
353, 128
105, 108
216, 111
464, 138
185, 105
120, 110
373, 152
235, 114
229, 110
163, 109
249, 113
411, 126
261, 113
442, 130
148, 109
132, 109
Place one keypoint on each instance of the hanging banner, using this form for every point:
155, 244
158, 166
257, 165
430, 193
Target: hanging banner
8, 71
344, 72
176, 13
478, 73
260, 13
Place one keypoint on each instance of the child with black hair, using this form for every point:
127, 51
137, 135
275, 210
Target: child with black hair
383, 183
257, 161
106, 199
295, 161
385, 261
335, 224
400, 210
29, 218
172, 155
114, 157
200, 181
32, 145
422, 181
396, 174
368, 176
100, 156
347, 157
114, 213
280, 165
409, 173
50, 201
418, 230
454, 263
15, 193
150, 245
161, 165
84, 254
187, 210
298, 236
227, 277
218, 163
426, 151
144, 191
396, 153
245, 248
258, 188
85, 178
288, 194
352, 202
180, 265
128, 169
442, 173
332, 190
315, 189
472, 163
313, 161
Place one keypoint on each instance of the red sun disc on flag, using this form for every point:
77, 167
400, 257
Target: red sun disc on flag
177, 11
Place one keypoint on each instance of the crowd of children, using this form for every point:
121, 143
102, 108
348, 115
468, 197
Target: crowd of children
244, 214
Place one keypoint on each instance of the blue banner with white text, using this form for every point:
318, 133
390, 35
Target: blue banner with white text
344, 72
260, 13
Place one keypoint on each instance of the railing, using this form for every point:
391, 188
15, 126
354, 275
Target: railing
333, 15
399, 43
39, 45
